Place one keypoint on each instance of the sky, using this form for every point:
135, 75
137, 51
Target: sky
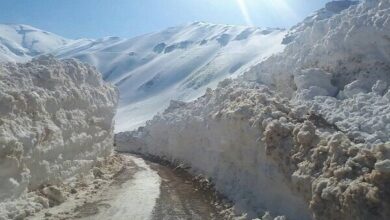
130, 18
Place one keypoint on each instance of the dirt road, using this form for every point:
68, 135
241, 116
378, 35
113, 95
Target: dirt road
141, 190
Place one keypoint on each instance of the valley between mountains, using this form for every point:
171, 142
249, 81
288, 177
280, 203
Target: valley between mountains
200, 121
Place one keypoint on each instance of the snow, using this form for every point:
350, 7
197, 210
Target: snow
213, 136
314, 82
267, 154
352, 45
304, 133
337, 64
363, 115
176, 63
19, 43
300, 128
56, 119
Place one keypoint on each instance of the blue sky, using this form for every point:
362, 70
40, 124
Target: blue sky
129, 18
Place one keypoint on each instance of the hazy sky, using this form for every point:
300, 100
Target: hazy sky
128, 18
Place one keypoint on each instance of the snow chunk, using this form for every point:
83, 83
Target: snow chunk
314, 82
379, 87
54, 194
354, 88
383, 166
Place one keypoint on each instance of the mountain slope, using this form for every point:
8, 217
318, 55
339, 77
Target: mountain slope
177, 63
22, 42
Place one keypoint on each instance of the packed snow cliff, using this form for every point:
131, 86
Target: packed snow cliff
56, 119
303, 134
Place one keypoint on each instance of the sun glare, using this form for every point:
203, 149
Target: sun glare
245, 12
278, 7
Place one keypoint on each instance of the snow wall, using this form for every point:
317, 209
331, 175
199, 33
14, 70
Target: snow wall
56, 118
302, 134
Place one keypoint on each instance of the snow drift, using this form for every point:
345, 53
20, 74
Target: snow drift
302, 134
56, 119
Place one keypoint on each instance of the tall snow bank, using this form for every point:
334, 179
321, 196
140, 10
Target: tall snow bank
348, 40
219, 136
337, 64
56, 118
266, 154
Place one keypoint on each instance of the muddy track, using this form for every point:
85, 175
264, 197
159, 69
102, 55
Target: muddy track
180, 197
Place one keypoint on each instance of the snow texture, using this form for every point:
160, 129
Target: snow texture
363, 115
56, 119
350, 45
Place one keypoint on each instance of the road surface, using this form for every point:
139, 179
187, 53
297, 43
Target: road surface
142, 190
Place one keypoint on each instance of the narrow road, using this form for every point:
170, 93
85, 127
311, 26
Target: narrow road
132, 195
142, 190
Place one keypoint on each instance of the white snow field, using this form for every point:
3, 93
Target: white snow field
19, 43
303, 133
176, 63
56, 120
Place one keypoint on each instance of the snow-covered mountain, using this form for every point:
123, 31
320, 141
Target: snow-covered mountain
176, 63
22, 42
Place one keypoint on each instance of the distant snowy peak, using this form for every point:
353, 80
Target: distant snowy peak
20, 42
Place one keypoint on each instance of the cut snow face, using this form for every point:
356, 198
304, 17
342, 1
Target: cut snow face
56, 118
20, 43
177, 63
266, 154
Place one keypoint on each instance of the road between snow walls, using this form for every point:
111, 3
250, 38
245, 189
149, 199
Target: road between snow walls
303, 134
